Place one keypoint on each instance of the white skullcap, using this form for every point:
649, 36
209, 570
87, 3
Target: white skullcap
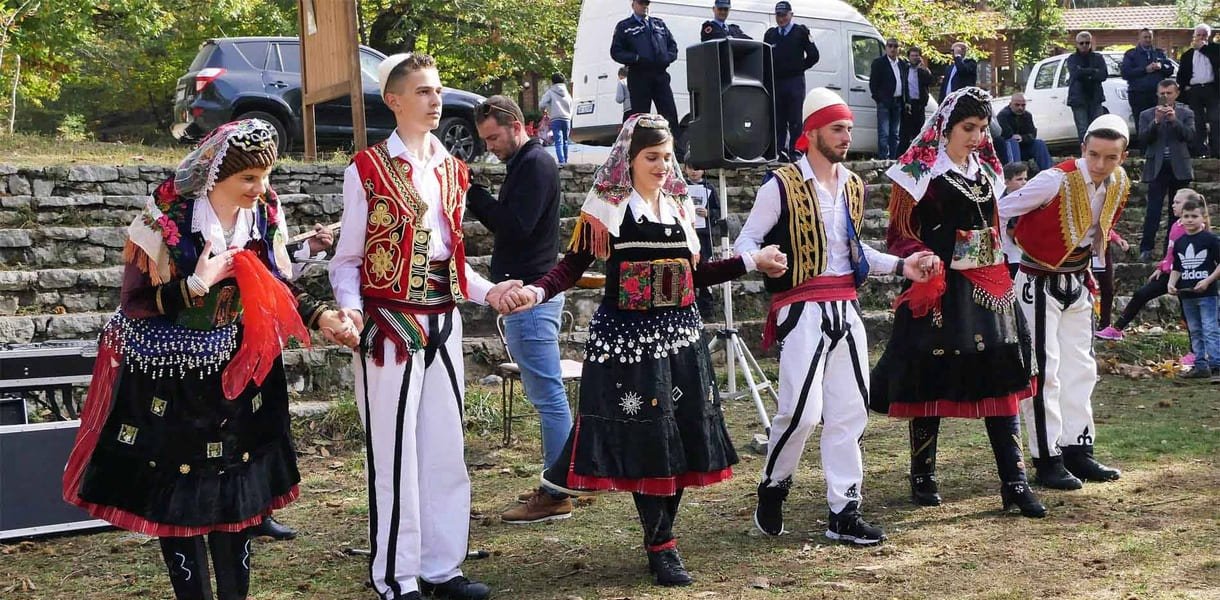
1112, 122
817, 99
387, 65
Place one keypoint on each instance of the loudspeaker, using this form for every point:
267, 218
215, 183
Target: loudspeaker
732, 99
32, 459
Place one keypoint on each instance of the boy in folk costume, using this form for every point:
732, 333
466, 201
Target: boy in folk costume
399, 270
813, 210
1066, 216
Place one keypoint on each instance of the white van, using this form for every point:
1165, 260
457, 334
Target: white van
845, 39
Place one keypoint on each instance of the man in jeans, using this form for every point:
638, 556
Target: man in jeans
557, 103
886, 86
1086, 71
525, 222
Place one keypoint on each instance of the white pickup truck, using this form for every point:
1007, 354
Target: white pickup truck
1046, 96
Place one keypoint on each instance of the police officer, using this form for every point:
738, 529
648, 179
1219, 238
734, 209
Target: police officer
647, 47
794, 53
719, 28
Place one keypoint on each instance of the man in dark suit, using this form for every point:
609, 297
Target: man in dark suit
885, 85
1020, 136
1144, 66
1198, 73
1086, 70
719, 28
962, 72
794, 53
916, 77
1167, 129
646, 46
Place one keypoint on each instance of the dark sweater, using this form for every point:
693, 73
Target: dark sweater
793, 54
525, 218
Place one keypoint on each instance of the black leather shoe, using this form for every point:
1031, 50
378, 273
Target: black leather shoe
1051, 473
668, 567
1018, 494
272, 529
924, 490
1080, 462
458, 588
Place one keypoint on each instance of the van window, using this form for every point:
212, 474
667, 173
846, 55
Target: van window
290, 58
863, 51
1044, 79
255, 52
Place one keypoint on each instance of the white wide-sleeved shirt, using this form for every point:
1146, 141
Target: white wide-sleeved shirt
1043, 188
349, 251
765, 214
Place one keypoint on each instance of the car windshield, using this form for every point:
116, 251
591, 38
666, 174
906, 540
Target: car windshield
1114, 65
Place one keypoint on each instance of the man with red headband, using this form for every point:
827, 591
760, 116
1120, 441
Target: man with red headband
814, 209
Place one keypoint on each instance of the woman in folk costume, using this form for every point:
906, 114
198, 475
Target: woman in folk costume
650, 420
185, 430
960, 346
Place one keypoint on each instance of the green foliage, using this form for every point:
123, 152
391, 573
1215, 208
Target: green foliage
72, 129
925, 22
1034, 25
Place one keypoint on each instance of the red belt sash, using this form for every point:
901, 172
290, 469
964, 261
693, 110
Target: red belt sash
824, 288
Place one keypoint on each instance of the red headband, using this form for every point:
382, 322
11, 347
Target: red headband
821, 118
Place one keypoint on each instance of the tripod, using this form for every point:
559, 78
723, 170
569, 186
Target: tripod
756, 379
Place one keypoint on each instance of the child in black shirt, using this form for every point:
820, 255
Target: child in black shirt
1196, 267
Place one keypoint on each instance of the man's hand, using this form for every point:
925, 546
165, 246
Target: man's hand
322, 240
922, 266
771, 261
355, 316
499, 296
337, 328
1171, 114
520, 299
1152, 67
1159, 114
1201, 286
1122, 244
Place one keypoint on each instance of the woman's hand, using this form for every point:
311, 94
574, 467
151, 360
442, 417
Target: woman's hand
771, 261
520, 299
211, 269
338, 328
922, 266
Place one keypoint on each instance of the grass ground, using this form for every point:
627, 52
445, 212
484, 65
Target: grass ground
1151, 535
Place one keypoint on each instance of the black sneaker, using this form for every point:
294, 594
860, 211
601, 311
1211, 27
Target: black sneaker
458, 588
769, 514
668, 567
1197, 373
848, 526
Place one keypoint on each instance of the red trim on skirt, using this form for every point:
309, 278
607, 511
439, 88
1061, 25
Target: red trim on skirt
1000, 406
650, 486
131, 522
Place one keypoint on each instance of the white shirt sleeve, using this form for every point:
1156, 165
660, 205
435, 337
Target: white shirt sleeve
879, 263
763, 216
349, 251
1038, 192
477, 286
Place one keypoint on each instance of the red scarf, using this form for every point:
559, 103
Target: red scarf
269, 318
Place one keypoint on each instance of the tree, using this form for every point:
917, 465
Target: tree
1033, 26
922, 23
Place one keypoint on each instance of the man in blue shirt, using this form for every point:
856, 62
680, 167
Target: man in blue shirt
645, 45
719, 28
794, 53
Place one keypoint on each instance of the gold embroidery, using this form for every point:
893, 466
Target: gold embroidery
381, 215
127, 434
215, 449
856, 195
1075, 212
381, 262
184, 469
1116, 198
158, 406
256, 402
805, 227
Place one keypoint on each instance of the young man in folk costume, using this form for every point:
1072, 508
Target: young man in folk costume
1066, 216
399, 270
813, 210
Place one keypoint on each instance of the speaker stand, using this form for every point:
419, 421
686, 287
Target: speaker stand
736, 352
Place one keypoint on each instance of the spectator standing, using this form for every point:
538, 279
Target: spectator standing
1086, 71
1196, 267
707, 220
962, 72
794, 53
622, 95
1198, 72
916, 77
719, 28
1019, 134
1167, 130
647, 47
885, 84
557, 104
1144, 66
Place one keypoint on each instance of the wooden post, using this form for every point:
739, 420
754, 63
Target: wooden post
330, 65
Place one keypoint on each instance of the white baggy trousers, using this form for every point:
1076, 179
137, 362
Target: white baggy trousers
823, 376
419, 491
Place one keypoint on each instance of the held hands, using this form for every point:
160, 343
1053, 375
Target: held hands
338, 328
322, 241
510, 297
211, 269
922, 266
771, 261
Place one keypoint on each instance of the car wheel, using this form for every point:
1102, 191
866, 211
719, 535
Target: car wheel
283, 143
458, 137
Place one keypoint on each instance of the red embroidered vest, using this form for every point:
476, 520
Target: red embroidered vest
1051, 233
397, 237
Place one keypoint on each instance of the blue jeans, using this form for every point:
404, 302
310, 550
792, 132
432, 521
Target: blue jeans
1203, 320
562, 132
1084, 116
533, 340
889, 121
1025, 150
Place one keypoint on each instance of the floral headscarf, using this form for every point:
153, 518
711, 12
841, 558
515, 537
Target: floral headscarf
920, 163
606, 203
196, 174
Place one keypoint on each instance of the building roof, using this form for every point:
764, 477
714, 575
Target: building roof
1122, 17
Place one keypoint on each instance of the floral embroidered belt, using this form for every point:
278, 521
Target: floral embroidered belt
647, 284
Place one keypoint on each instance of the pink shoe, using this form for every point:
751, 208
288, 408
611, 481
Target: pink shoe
1188, 360
1110, 333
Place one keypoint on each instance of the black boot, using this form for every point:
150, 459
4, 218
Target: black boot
924, 433
1080, 462
1017, 493
272, 529
1051, 473
668, 567
458, 588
